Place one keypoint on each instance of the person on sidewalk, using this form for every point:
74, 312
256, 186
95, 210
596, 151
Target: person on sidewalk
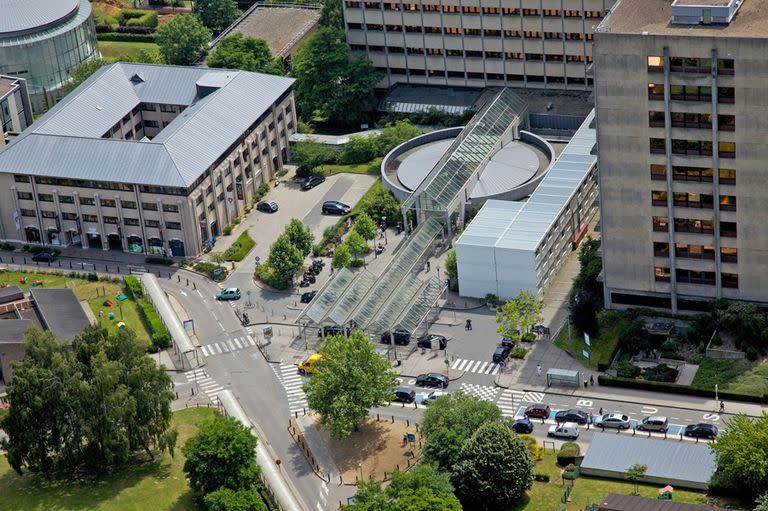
722, 406
591, 380
538, 369
468, 325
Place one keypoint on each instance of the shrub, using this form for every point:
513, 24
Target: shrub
102, 28
357, 263
536, 451
627, 370
129, 38
542, 477
568, 453
36, 249
133, 287
267, 275
752, 353
518, 352
491, 299
317, 248
240, 248
672, 355
661, 372
160, 336
359, 150
261, 191
158, 260
570, 472
209, 269
25, 248
135, 30
528, 337
92, 277
7, 246
136, 18
227, 230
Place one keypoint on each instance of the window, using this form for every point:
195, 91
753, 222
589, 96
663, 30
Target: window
656, 119
728, 229
725, 66
170, 109
173, 225
28, 212
660, 224
47, 214
149, 206
683, 250
45, 197
693, 200
108, 203
655, 63
110, 220
152, 223
727, 203
69, 216
730, 280
151, 124
131, 221
128, 204
658, 172
66, 199
87, 201
662, 274
660, 249
656, 91
658, 198
727, 149
695, 277
729, 255
24, 195
170, 208
694, 226
90, 218
21, 179
148, 107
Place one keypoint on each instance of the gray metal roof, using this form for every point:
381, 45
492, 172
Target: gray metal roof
12, 330
25, 15
177, 156
60, 311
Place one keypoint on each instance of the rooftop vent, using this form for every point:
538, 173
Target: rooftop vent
704, 12
137, 78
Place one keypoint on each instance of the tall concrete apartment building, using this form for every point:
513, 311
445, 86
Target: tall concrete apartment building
478, 43
15, 108
682, 122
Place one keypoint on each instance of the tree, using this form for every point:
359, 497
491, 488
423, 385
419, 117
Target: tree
300, 235
225, 499
247, 53
378, 202
217, 258
359, 149
583, 308
423, 488
495, 468
365, 226
356, 244
741, 452
352, 379
635, 473
307, 156
449, 422
82, 72
221, 455
331, 15
518, 315
634, 338
452, 269
395, 134
591, 264
183, 40
341, 257
216, 14
284, 258
762, 503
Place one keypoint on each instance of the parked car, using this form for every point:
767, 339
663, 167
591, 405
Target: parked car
564, 430
334, 207
501, 353
653, 423
402, 337
309, 365
307, 297
433, 395
332, 330
701, 430
537, 411
430, 340
613, 420
312, 181
267, 206
404, 395
432, 380
506, 341
523, 426
230, 293
577, 416
44, 257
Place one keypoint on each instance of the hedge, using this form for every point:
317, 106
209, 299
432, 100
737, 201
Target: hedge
266, 274
240, 248
208, 269
158, 260
129, 38
133, 286
135, 18
568, 453
676, 388
160, 336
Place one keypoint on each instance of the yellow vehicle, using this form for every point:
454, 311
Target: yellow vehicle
309, 365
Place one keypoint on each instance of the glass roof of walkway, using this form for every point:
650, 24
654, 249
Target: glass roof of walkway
477, 142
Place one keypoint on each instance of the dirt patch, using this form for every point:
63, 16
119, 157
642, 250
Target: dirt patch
377, 447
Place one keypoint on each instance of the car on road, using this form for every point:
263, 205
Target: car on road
310, 364
432, 380
501, 353
312, 181
613, 420
307, 297
44, 257
577, 416
402, 337
506, 341
430, 340
404, 395
230, 293
431, 396
654, 423
267, 206
701, 430
537, 411
523, 426
334, 207
564, 430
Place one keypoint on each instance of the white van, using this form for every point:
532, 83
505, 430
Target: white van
564, 430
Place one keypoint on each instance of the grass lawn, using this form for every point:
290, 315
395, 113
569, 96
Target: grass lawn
371, 167
603, 344
734, 375
113, 50
158, 485
586, 490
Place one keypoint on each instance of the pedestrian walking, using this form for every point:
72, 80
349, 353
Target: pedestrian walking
428, 266
722, 406
468, 325
591, 380
600, 412
538, 369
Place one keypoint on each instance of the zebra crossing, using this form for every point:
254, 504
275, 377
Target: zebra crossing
292, 382
236, 343
204, 383
476, 366
481, 391
509, 402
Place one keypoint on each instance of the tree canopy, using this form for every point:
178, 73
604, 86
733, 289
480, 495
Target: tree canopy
236, 51
88, 408
356, 243
635, 473
216, 14
183, 40
331, 14
741, 452
379, 202
423, 488
308, 155
341, 257
225, 499
519, 314
365, 226
352, 379
300, 235
285, 258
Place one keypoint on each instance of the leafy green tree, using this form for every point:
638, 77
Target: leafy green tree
741, 452
217, 257
352, 379
634, 338
452, 269
379, 202
247, 53
518, 315
341, 257
300, 235
583, 307
424, 488
395, 134
221, 455
82, 72
495, 469
331, 15
359, 149
591, 264
449, 422
183, 40
356, 244
285, 258
216, 14
365, 226
762, 503
225, 499
635, 473
309, 155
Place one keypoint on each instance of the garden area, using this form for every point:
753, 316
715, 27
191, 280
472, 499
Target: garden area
603, 344
116, 50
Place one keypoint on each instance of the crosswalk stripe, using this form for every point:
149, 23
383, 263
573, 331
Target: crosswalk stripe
495, 369
224, 348
208, 385
251, 341
475, 366
462, 363
456, 363
204, 349
237, 342
482, 368
231, 345
213, 391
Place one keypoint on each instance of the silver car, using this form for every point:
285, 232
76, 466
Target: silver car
653, 423
613, 420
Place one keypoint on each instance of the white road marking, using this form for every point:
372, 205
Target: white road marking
204, 349
251, 341
231, 345
183, 293
237, 341
199, 293
482, 367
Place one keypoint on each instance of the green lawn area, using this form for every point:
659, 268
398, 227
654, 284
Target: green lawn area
372, 167
586, 490
113, 50
93, 292
603, 344
157, 486
734, 375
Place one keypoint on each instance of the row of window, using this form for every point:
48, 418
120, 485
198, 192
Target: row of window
689, 251
508, 55
687, 120
693, 147
105, 203
729, 280
439, 73
456, 31
691, 93
695, 226
474, 9
690, 65
693, 200
700, 174
107, 219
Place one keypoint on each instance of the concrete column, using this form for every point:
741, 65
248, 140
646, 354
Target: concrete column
59, 220
120, 224
142, 227
100, 215
83, 235
670, 195
716, 177
163, 234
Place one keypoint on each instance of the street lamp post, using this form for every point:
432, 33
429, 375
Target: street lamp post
716, 399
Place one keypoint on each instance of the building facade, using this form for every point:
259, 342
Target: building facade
681, 117
42, 41
146, 159
478, 43
15, 108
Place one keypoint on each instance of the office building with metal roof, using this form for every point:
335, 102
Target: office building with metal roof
42, 40
510, 246
15, 108
146, 158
